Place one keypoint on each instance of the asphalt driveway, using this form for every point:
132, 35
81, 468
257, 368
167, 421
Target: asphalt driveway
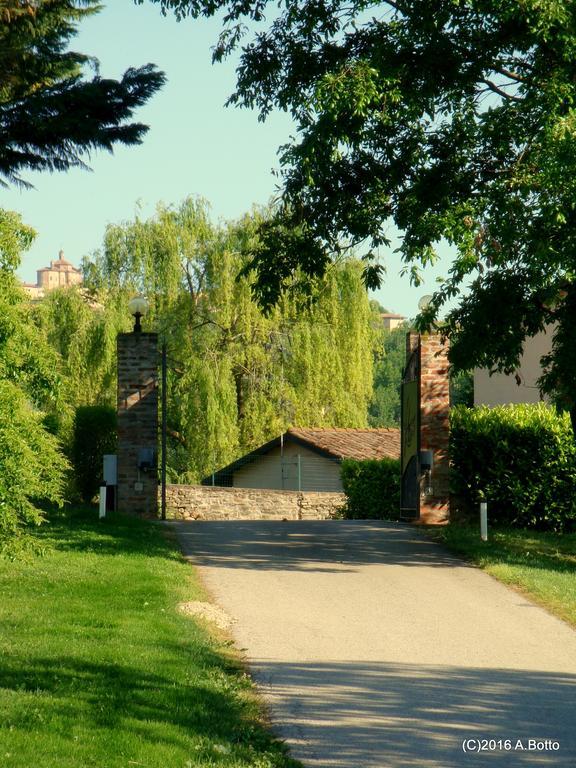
375, 648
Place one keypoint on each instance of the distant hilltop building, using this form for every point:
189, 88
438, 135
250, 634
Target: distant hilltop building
60, 274
391, 321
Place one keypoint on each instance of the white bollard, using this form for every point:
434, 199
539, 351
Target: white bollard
484, 521
102, 509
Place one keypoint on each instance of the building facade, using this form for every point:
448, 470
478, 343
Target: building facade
60, 274
521, 386
390, 321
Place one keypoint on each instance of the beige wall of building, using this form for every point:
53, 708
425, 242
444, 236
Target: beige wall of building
391, 321
60, 274
503, 390
276, 471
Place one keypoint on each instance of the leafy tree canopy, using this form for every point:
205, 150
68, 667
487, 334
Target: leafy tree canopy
31, 466
51, 115
237, 376
26, 360
453, 119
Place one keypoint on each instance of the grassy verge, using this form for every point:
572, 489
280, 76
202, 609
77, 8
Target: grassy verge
541, 565
99, 668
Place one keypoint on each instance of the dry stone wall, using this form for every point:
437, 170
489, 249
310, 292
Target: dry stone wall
199, 502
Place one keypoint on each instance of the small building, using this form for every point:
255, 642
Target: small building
60, 274
306, 459
391, 321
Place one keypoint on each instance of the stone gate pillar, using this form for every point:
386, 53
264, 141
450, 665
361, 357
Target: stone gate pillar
435, 426
138, 423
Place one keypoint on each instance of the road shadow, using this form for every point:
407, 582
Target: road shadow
314, 546
368, 715
52, 693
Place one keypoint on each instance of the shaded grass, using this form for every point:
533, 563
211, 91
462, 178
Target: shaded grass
99, 668
541, 565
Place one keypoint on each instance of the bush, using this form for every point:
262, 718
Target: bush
32, 468
521, 459
94, 435
372, 489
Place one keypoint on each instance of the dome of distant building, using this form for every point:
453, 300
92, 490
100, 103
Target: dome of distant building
60, 274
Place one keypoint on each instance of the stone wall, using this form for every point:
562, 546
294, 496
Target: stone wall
199, 502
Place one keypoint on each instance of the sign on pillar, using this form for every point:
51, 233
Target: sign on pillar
138, 423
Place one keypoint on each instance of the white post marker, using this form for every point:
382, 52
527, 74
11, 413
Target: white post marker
102, 508
484, 521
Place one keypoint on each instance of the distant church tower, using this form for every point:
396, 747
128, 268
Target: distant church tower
60, 274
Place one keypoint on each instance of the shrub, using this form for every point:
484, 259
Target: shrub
94, 435
521, 459
372, 489
32, 468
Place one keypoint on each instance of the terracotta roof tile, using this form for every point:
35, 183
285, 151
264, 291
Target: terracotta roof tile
352, 443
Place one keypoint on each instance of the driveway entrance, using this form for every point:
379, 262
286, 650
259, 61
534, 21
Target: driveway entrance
374, 648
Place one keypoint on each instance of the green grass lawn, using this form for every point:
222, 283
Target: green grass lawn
99, 668
541, 565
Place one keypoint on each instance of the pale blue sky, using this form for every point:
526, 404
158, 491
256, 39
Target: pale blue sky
195, 146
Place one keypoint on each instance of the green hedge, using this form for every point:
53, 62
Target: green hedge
522, 459
372, 489
94, 435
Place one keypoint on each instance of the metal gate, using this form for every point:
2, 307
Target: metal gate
410, 442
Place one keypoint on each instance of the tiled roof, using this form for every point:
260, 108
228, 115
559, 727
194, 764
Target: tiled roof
338, 443
352, 443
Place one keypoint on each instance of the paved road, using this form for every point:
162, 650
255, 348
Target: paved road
376, 649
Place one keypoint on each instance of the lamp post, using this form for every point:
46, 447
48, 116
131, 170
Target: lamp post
138, 307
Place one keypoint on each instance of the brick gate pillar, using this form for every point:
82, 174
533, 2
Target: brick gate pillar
138, 423
435, 426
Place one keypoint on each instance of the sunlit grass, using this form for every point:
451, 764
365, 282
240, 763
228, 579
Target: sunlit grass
99, 668
541, 565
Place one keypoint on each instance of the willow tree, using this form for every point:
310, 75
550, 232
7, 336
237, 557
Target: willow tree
83, 334
237, 376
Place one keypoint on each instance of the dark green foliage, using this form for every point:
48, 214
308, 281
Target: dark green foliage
521, 459
372, 489
454, 121
462, 389
31, 467
384, 408
50, 116
94, 435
